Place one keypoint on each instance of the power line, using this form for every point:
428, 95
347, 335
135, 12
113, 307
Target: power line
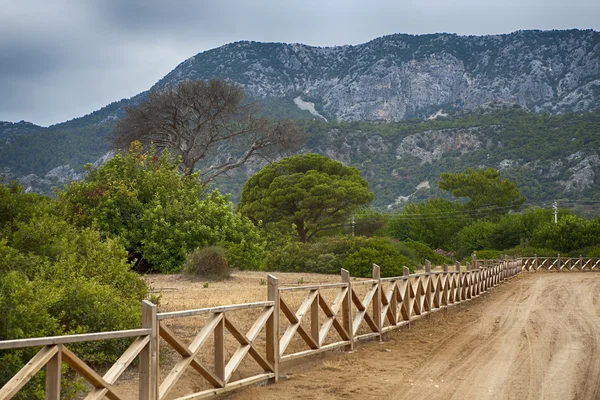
439, 216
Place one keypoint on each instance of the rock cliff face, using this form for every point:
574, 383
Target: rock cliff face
400, 76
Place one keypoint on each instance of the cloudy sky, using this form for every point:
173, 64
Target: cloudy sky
63, 59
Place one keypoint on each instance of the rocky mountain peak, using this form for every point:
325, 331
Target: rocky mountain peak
401, 76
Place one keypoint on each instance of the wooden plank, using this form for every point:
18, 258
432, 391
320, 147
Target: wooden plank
54, 375
331, 314
120, 366
219, 350
376, 272
297, 327
189, 355
148, 368
392, 305
247, 340
212, 310
312, 287
38, 361
247, 345
235, 385
305, 353
365, 282
347, 309
363, 313
272, 330
314, 319
84, 337
288, 312
89, 374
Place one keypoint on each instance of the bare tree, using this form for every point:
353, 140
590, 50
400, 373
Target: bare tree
195, 119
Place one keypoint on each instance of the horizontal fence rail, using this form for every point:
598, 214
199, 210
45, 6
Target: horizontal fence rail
329, 316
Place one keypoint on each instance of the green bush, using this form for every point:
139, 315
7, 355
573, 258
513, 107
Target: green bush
159, 214
488, 254
423, 252
360, 262
593, 252
330, 254
571, 233
528, 251
207, 263
57, 279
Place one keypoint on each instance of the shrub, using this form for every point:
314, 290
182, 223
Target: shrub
360, 263
527, 251
424, 252
57, 279
207, 263
330, 254
593, 252
159, 215
569, 234
488, 254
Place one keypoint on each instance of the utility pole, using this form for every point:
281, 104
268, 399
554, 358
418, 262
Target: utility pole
555, 208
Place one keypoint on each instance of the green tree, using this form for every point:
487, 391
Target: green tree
310, 192
159, 214
488, 193
434, 222
569, 234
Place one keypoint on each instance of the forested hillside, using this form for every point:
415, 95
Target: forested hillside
548, 156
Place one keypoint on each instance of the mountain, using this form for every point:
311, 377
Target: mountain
401, 76
401, 108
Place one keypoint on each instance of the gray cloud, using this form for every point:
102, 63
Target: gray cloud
63, 59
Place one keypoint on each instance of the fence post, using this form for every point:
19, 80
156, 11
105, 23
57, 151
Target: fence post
406, 294
273, 327
54, 375
219, 350
558, 263
445, 288
459, 285
580, 263
428, 295
148, 389
347, 310
377, 299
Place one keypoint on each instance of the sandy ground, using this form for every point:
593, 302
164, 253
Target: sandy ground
535, 337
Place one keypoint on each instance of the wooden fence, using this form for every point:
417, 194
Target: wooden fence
357, 310
559, 263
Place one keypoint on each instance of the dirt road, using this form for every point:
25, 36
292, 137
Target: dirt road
536, 337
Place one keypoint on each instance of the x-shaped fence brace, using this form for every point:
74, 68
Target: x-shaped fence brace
216, 325
560, 263
312, 303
